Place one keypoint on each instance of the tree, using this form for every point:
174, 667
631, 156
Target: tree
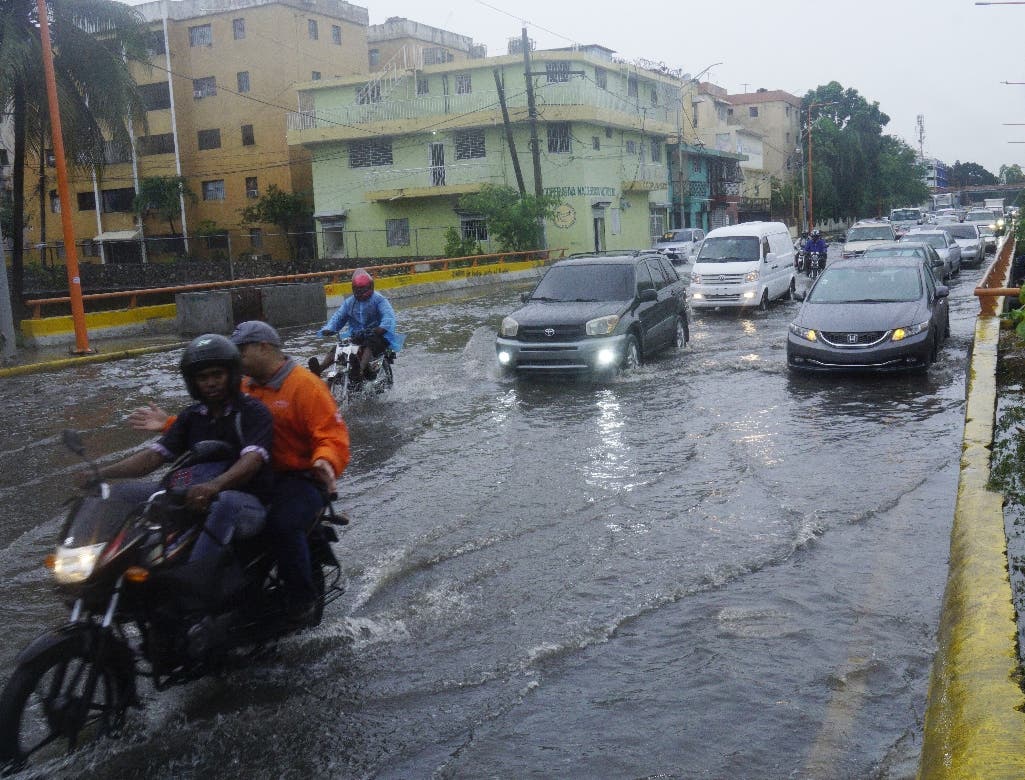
514, 220
969, 174
901, 180
1011, 174
290, 211
95, 87
161, 196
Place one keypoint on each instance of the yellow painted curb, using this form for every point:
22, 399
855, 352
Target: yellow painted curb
48, 326
78, 360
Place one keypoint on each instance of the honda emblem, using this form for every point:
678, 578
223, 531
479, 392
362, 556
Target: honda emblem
852, 338
549, 332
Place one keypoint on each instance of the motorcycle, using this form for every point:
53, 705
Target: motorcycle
815, 263
800, 261
138, 608
377, 378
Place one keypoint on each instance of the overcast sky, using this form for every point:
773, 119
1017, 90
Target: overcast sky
944, 59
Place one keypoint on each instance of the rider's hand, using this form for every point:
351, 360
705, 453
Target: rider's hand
325, 474
325, 333
200, 497
85, 479
148, 418
378, 331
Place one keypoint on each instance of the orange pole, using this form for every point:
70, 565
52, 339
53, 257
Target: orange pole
70, 250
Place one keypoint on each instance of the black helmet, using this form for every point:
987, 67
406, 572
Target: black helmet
207, 351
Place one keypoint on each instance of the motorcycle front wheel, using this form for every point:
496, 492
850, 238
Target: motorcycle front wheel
56, 701
339, 387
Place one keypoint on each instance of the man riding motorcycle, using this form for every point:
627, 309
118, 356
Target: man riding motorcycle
370, 320
816, 243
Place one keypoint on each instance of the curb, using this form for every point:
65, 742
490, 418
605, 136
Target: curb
59, 363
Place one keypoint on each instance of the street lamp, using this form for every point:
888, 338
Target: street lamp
811, 188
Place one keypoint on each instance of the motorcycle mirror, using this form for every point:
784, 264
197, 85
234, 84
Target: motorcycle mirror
73, 441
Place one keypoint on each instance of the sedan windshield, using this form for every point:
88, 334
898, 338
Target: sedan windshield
844, 284
586, 283
979, 216
870, 234
938, 240
963, 231
728, 249
909, 251
675, 235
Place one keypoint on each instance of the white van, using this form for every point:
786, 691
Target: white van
744, 265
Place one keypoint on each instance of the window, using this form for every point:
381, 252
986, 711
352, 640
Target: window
209, 139
155, 43
695, 165
469, 144
375, 58
116, 152
252, 187
373, 151
213, 190
217, 240
752, 111
311, 28
595, 143
631, 86
55, 202
204, 87
315, 76
422, 87
256, 238
464, 86
238, 28
118, 200
631, 147
243, 80
398, 231
656, 151
608, 132
654, 96
248, 137
473, 228
162, 143
601, 78
336, 35
86, 201
558, 137
201, 35
155, 96
557, 72
437, 55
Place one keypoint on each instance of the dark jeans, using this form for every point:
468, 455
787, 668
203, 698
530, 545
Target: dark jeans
294, 505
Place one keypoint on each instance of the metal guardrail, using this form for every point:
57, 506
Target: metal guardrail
992, 285
335, 276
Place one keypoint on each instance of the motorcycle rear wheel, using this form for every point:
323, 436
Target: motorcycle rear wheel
46, 710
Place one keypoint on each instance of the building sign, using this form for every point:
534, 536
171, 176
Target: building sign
565, 216
569, 192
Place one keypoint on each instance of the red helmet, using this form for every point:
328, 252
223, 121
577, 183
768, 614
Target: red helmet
362, 285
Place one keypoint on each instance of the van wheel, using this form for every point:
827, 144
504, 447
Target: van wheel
763, 304
631, 353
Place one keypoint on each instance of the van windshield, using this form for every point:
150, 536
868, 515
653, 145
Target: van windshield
729, 249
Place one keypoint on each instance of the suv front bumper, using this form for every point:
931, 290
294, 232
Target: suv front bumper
591, 355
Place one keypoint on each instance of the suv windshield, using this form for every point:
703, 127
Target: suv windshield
729, 249
870, 234
963, 231
602, 282
675, 235
979, 216
905, 251
938, 240
843, 284
905, 215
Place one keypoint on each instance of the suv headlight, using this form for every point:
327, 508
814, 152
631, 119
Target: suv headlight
808, 334
509, 328
602, 326
751, 276
899, 334
75, 564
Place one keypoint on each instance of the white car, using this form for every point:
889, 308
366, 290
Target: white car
864, 235
679, 244
971, 241
946, 247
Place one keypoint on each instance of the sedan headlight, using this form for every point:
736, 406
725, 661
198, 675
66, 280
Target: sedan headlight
899, 334
808, 334
602, 326
509, 328
751, 276
74, 564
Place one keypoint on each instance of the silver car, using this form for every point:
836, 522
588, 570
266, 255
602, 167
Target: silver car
679, 244
968, 237
944, 245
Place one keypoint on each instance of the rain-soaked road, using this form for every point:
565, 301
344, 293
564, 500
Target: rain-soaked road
710, 569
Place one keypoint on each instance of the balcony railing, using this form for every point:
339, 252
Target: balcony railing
571, 93
455, 174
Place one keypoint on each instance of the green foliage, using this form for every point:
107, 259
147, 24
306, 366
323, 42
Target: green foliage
1011, 174
290, 211
161, 195
514, 221
969, 174
457, 246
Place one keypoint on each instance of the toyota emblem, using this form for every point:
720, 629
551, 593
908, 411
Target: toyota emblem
549, 332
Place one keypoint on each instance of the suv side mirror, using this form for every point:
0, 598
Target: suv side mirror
647, 294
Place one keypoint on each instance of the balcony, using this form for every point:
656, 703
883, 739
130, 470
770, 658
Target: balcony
386, 184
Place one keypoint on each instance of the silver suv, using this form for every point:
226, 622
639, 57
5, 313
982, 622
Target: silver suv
679, 244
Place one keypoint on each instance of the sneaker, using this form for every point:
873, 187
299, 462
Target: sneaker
314, 365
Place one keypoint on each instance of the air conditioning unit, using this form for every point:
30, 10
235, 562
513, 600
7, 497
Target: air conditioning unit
198, 93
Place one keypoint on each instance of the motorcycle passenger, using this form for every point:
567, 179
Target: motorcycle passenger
370, 320
233, 495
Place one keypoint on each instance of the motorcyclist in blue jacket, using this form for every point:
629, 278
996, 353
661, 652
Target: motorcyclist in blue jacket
816, 243
370, 320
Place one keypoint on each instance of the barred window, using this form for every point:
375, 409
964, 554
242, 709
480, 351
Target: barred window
336, 35
248, 136
213, 190
311, 26
155, 96
256, 237
373, 151
86, 201
631, 86
155, 43
464, 84
558, 137
474, 228
238, 27
631, 147
656, 151
162, 143
55, 202
201, 35
601, 78
374, 57
398, 231
595, 143
422, 87
469, 144
557, 72
243, 80
436, 56
204, 87
252, 187
209, 139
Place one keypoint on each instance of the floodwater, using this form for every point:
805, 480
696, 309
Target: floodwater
707, 569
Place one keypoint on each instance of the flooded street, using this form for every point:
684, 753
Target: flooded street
710, 568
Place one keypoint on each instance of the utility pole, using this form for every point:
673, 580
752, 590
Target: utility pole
535, 150
7, 338
500, 86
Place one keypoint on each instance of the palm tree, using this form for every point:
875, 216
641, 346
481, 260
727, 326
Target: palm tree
93, 43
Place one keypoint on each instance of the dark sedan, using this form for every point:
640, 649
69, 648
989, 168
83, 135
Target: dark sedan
879, 315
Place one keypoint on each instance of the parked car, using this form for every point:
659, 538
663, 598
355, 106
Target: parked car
596, 315
679, 244
744, 265
865, 234
945, 246
909, 248
970, 240
875, 315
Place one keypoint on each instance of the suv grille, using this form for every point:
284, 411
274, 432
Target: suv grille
537, 333
865, 339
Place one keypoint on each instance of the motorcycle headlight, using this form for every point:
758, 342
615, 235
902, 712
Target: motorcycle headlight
899, 334
74, 564
808, 334
602, 326
509, 327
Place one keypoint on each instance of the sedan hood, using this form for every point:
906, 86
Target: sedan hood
856, 317
566, 313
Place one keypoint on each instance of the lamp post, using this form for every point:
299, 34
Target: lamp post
811, 187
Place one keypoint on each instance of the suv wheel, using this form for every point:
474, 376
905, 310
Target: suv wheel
682, 333
631, 353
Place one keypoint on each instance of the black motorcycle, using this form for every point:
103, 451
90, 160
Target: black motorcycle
140, 609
